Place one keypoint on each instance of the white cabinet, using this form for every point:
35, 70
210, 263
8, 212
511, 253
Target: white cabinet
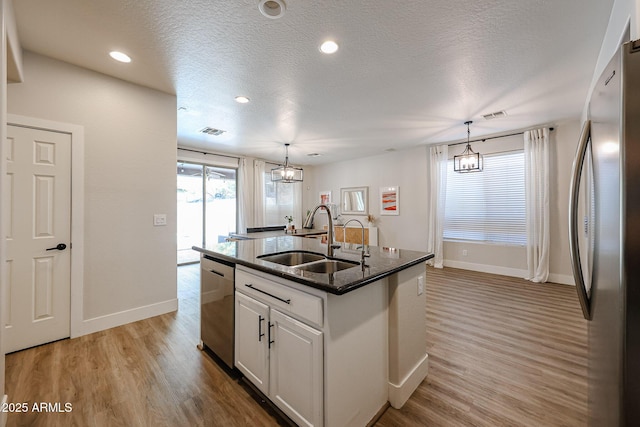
252, 346
281, 356
295, 382
328, 363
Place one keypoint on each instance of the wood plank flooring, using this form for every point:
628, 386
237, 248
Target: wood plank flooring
147, 373
503, 352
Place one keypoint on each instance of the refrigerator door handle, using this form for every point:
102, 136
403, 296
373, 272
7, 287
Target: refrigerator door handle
576, 173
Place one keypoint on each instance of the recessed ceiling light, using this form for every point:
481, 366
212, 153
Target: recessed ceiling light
242, 99
119, 56
329, 47
272, 9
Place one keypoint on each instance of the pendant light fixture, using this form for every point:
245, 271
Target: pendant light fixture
469, 160
286, 173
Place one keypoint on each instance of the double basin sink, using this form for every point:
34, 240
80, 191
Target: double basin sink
309, 261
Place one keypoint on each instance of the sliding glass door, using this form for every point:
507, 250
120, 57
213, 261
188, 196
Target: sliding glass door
206, 207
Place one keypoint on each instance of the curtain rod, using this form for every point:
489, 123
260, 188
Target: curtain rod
211, 154
491, 137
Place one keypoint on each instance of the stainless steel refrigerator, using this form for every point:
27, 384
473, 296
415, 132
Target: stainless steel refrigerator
604, 234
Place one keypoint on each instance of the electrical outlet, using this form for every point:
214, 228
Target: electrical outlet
420, 285
464, 252
159, 219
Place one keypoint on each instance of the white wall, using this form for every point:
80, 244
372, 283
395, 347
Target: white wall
511, 260
130, 160
410, 170
406, 169
3, 136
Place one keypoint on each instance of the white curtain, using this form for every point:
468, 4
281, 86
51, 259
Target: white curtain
245, 196
438, 157
297, 204
258, 194
536, 176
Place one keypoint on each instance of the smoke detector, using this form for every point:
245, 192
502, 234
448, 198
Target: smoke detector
272, 9
212, 131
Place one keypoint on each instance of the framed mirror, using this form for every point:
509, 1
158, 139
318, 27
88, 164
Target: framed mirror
354, 201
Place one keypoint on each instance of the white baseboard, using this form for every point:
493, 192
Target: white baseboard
3, 415
109, 321
486, 268
400, 393
563, 279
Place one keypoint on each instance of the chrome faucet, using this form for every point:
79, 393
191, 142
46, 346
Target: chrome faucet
344, 234
309, 221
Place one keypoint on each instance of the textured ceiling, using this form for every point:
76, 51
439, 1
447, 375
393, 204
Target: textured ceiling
407, 72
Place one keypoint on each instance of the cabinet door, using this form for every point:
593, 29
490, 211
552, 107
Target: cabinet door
296, 383
251, 340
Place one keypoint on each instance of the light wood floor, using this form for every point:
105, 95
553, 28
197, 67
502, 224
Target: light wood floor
503, 352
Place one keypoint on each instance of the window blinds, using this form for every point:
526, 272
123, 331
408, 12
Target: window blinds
487, 206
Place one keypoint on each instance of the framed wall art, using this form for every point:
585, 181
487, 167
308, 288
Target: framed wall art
390, 200
325, 199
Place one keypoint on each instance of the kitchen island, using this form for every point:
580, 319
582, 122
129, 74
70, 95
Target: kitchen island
328, 348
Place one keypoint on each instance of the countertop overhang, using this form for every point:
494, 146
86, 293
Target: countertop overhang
299, 232
382, 262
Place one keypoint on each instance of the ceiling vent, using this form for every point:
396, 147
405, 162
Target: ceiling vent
212, 131
496, 115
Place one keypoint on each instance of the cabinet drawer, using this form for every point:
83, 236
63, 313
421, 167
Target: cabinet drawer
299, 304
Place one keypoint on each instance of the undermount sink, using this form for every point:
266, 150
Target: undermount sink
308, 261
293, 258
327, 266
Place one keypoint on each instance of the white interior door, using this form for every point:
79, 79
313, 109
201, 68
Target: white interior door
38, 232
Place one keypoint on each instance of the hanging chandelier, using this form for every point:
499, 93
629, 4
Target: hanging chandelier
469, 160
286, 173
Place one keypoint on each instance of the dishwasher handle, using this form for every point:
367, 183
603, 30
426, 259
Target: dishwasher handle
216, 272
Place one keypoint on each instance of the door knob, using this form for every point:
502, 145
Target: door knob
60, 247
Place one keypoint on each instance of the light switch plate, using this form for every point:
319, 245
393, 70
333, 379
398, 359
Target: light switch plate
420, 285
159, 219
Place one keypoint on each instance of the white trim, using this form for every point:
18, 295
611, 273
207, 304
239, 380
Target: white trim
486, 268
77, 208
562, 279
400, 393
113, 320
3, 414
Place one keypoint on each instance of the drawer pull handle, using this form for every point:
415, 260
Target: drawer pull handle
287, 301
260, 333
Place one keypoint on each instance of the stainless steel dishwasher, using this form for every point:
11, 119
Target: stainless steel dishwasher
216, 307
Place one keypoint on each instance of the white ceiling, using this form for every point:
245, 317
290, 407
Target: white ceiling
407, 72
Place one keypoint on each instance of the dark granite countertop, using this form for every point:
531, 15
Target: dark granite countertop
382, 262
301, 232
